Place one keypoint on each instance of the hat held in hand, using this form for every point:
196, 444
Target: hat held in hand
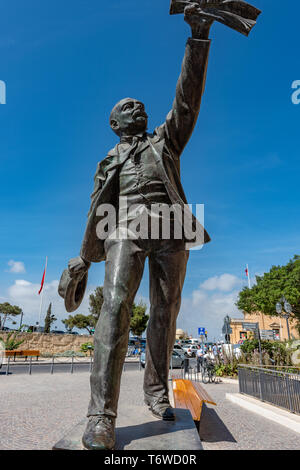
72, 289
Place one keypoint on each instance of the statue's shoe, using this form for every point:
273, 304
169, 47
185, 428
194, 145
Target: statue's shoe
161, 408
99, 433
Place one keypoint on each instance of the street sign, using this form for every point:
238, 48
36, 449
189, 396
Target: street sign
250, 326
201, 331
267, 334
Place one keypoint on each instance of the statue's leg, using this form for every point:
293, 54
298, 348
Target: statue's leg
123, 273
167, 272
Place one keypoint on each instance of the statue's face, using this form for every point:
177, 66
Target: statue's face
128, 117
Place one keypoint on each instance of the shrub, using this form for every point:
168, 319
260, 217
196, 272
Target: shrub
85, 347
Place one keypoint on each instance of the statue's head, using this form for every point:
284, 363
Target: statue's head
128, 117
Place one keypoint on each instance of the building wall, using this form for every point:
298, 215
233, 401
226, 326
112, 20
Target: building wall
51, 343
265, 323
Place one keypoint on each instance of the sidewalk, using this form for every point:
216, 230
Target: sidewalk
230, 427
37, 411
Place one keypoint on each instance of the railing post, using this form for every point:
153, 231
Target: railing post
91, 363
259, 384
52, 365
72, 364
7, 365
30, 365
289, 393
186, 366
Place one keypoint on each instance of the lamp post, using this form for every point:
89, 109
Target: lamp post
286, 313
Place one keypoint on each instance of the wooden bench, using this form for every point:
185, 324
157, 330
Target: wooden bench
25, 353
30, 353
190, 395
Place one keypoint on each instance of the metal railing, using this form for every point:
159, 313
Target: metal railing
271, 385
71, 364
188, 372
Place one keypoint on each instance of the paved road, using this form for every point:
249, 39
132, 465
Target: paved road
42, 368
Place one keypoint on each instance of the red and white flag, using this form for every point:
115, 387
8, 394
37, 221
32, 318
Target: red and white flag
43, 278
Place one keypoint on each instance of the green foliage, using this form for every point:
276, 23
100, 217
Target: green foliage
82, 322
139, 319
8, 311
274, 352
10, 342
49, 319
227, 370
96, 301
87, 322
269, 288
85, 347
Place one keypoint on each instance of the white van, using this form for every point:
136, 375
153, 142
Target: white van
195, 341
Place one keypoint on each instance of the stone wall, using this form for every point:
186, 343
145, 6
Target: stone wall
51, 343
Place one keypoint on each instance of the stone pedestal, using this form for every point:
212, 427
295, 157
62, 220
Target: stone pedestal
138, 430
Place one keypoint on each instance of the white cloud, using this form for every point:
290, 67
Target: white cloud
209, 304
225, 282
25, 295
16, 267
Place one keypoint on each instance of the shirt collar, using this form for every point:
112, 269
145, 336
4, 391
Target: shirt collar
129, 138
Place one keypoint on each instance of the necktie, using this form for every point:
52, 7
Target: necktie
134, 142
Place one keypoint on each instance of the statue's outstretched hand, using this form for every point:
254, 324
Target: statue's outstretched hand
198, 20
78, 266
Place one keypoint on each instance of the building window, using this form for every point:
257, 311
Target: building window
276, 334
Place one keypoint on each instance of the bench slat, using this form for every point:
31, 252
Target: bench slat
191, 399
190, 395
186, 397
203, 393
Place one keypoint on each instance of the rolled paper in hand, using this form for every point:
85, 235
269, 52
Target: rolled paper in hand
236, 14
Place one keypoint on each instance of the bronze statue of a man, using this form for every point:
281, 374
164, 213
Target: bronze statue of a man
144, 168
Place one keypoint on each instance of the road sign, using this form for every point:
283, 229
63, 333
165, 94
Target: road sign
250, 326
201, 331
267, 334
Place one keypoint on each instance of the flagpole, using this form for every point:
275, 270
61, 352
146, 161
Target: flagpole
42, 294
248, 275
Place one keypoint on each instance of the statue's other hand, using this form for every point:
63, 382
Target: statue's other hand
78, 266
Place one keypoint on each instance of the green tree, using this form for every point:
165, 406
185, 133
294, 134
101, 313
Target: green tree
269, 288
49, 319
139, 319
87, 322
82, 322
7, 311
96, 301
11, 342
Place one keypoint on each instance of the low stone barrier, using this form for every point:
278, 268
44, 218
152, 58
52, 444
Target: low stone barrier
51, 343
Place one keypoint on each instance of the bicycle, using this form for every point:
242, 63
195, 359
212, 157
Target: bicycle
208, 373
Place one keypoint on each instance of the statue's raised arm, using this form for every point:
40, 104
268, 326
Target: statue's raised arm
182, 118
200, 15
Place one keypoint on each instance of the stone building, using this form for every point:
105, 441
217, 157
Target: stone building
266, 322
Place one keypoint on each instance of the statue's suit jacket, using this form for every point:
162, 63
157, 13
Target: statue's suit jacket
166, 143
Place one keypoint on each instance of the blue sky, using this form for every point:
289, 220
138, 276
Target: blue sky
65, 65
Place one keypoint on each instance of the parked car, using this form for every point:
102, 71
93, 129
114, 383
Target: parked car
178, 348
58, 332
177, 360
192, 350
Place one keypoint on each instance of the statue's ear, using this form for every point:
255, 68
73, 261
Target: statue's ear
114, 125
